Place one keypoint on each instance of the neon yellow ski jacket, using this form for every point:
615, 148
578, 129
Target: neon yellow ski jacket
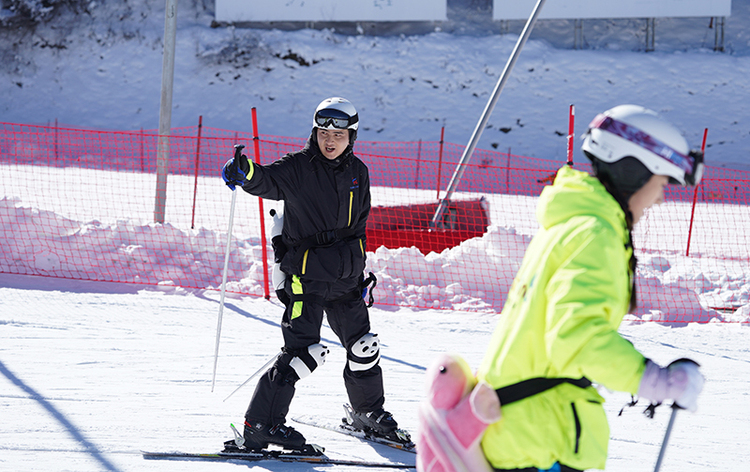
560, 320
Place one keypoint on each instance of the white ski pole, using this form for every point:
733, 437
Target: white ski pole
666, 437
262, 369
237, 151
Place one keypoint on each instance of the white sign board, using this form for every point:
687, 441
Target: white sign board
589, 9
234, 11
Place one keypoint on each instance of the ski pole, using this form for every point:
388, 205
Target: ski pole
265, 366
237, 151
666, 437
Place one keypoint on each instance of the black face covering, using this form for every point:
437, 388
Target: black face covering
626, 176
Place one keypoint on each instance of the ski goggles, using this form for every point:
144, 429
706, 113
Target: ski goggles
690, 164
338, 119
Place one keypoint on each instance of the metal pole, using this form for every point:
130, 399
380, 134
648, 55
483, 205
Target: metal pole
666, 438
197, 163
440, 160
259, 371
165, 110
223, 285
486, 113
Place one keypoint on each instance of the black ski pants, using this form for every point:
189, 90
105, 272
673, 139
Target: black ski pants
347, 316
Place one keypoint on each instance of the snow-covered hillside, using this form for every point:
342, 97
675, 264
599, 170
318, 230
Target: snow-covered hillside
101, 68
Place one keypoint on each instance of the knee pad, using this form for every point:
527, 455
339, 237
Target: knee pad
364, 354
308, 359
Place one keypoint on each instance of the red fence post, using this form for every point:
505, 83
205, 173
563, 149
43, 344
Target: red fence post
440, 160
571, 134
57, 156
507, 174
256, 145
695, 199
419, 158
143, 159
197, 160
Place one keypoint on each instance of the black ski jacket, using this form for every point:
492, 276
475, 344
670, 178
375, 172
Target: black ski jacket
326, 204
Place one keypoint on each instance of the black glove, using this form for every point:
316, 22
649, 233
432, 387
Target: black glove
236, 169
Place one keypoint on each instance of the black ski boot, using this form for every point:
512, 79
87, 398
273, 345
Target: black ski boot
376, 424
258, 436
379, 422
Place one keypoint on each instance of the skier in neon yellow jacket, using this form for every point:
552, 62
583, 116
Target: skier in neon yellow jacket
574, 287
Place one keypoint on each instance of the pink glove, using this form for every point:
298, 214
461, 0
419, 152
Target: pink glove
453, 418
680, 381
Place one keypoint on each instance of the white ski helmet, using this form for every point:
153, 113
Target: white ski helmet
634, 131
336, 113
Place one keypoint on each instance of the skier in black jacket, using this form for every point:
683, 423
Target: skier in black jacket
326, 194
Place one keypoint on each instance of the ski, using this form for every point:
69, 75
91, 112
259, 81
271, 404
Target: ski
272, 456
344, 428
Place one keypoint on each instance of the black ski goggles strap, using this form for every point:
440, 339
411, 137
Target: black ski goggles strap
694, 177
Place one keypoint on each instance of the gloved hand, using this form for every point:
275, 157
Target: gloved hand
277, 224
279, 250
277, 242
237, 170
680, 381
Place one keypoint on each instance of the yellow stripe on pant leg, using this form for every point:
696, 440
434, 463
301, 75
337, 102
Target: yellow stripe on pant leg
304, 262
296, 290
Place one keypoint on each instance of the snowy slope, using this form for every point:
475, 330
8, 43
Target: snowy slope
102, 68
92, 373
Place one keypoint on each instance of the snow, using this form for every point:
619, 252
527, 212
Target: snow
91, 373
107, 74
